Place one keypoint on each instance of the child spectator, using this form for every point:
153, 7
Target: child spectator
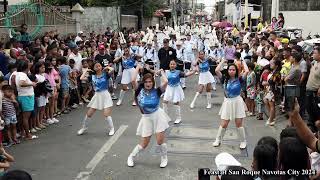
9, 104
50, 76
74, 93
259, 102
86, 88
65, 72
41, 93
251, 89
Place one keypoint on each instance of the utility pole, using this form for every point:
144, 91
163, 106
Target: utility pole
174, 13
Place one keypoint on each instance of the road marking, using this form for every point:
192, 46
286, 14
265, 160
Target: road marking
85, 175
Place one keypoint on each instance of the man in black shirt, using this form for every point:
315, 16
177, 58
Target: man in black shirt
103, 58
166, 54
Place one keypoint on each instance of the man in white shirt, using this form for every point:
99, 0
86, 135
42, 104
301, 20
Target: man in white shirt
76, 56
79, 37
150, 53
189, 46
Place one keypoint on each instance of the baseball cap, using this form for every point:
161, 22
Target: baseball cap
223, 160
101, 46
80, 32
285, 41
72, 46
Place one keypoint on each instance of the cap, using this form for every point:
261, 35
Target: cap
149, 43
101, 47
285, 41
178, 43
211, 44
73, 46
223, 160
80, 32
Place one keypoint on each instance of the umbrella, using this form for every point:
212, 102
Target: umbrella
216, 24
225, 24
228, 28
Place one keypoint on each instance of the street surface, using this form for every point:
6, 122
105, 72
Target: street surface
59, 154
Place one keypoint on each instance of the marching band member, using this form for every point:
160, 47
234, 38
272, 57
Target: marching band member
189, 46
174, 92
205, 79
101, 99
154, 120
128, 61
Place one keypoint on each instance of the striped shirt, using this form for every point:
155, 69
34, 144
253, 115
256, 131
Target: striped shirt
8, 109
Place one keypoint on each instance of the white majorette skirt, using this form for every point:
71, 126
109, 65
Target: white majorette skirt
173, 94
101, 100
233, 108
127, 76
153, 123
206, 78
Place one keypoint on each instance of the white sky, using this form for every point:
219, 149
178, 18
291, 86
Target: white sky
11, 2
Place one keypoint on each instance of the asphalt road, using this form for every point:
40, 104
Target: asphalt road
59, 154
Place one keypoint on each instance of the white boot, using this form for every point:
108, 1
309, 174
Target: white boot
110, 124
164, 157
135, 151
219, 137
121, 95
214, 86
242, 136
134, 101
165, 107
178, 114
194, 100
84, 124
209, 100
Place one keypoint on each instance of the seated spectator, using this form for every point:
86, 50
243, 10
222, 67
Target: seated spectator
293, 155
5, 160
16, 175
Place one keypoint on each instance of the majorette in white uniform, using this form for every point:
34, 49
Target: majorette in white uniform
205, 80
181, 59
189, 46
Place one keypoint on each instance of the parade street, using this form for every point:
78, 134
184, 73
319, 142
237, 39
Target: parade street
59, 154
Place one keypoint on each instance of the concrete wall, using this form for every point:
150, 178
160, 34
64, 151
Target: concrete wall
99, 18
306, 20
129, 21
230, 12
299, 5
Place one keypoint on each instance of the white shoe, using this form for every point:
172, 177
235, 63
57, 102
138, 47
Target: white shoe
214, 88
80, 103
119, 103
130, 161
216, 143
49, 121
268, 122
164, 161
134, 103
243, 145
82, 131
192, 105
33, 130
177, 121
209, 106
74, 106
111, 132
55, 120
272, 123
196, 73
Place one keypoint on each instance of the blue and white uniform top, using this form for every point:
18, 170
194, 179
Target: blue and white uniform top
100, 83
148, 101
204, 66
128, 62
233, 88
174, 77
